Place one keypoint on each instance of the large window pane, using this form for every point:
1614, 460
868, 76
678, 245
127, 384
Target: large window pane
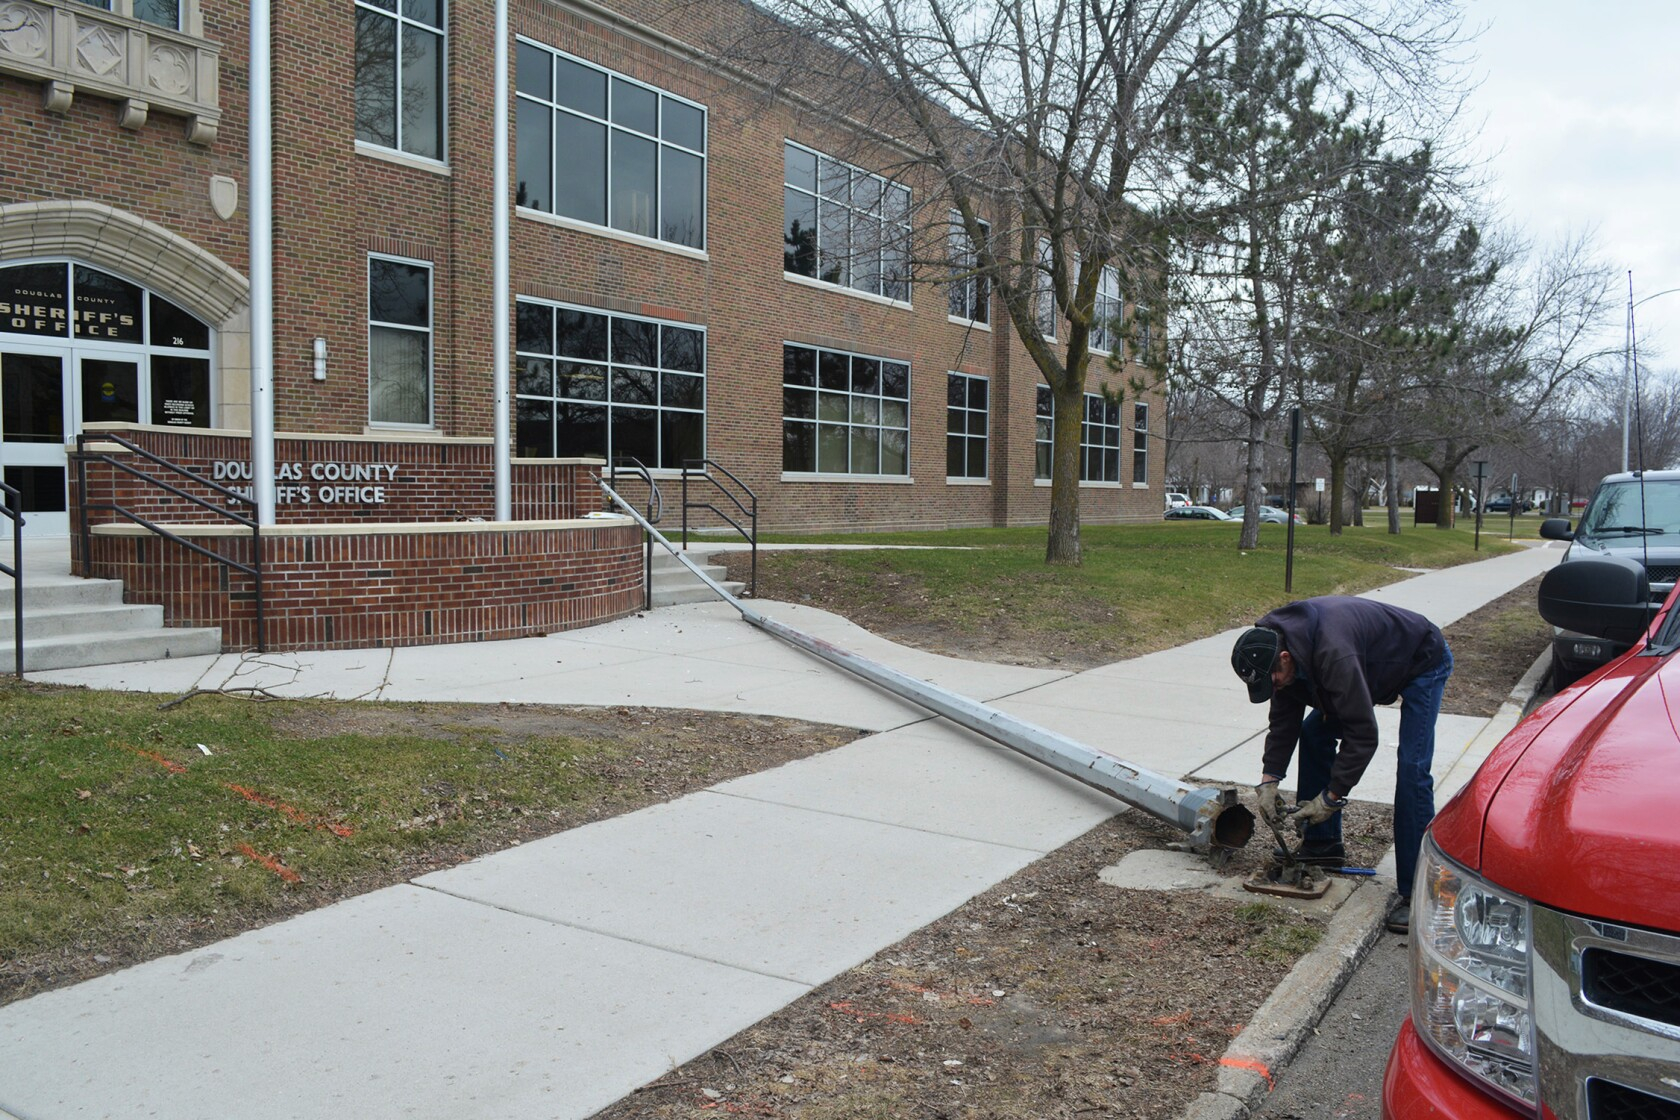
635, 342
579, 87
580, 431
635, 434
398, 374
833, 456
180, 391
534, 429
576, 381
535, 377
399, 293
581, 334
857, 432
635, 107
535, 72
531, 138
799, 233
681, 349
799, 167
176, 327
376, 78
162, 13
581, 192
422, 92
682, 438
682, 124
683, 204
634, 180
799, 447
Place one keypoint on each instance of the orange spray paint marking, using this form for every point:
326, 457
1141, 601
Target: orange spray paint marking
958, 997
297, 815
846, 1007
271, 863
1252, 1065
168, 764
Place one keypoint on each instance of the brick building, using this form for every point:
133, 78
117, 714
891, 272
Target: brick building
697, 268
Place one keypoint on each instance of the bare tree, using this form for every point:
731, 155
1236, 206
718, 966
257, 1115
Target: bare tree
1047, 116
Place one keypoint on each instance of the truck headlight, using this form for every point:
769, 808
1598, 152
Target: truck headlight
1470, 969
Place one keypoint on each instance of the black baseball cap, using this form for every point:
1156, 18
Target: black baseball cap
1252, 657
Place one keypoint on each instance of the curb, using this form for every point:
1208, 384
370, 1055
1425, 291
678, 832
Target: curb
1290, 1014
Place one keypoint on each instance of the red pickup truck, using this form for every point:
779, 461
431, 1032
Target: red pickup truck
1546, 910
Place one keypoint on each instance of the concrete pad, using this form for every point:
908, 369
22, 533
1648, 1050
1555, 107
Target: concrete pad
937, 778
781, 891
1153, 869
403, 1002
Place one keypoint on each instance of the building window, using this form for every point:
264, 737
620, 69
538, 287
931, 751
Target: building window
603, 149
843, 225
1105, 312
598, 385
1140, 443
1044, 433
965, 426
970, 293
1044, 291
399, 75
1099, 438
844, 413
159, 13
399, 342
1144, 334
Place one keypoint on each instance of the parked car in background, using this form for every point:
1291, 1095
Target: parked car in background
1503, 502
1636, 515
1269, 515
1196, 513
1545, 944
1177, 500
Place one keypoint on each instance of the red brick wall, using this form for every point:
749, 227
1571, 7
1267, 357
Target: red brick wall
335, 204
387, 589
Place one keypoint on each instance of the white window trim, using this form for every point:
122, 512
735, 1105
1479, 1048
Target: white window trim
909, 415
977, 324
431, 342
1144, 430
857, 293
611, 234
403, 159
967, 479
1102, 324
867, 479
660, 142
909, 227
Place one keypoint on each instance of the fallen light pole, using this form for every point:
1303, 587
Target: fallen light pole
1214, 818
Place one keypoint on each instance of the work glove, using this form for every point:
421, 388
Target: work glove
1316, 811
1266, 793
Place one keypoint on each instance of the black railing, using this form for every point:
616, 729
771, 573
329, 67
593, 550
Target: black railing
14, 510
83, 457
748, 509
632, 466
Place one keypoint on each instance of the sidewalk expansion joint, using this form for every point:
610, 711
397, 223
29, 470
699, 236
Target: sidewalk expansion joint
610, 935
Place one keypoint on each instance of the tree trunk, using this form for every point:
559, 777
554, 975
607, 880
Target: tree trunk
1338, 472
1444, 479
1391, 491
1254, 484
1063, 546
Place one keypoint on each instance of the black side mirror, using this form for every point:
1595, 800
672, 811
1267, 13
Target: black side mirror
1608, 597
1556, 529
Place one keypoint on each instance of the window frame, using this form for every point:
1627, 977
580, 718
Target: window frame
608, 365
853, 402
969, 297
965, 438
441, 30
1105, 327
895, 289
430, 332
614, 129
1106, 451
1140, 443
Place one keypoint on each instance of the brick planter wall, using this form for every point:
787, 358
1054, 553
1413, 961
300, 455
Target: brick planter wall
328, 588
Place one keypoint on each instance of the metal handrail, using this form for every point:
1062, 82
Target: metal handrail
698, 467
631, 465
83, 457
14, 510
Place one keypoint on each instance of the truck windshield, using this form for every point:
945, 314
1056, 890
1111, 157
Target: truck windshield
1624, 509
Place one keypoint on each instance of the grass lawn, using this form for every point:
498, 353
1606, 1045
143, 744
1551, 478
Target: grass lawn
988, 593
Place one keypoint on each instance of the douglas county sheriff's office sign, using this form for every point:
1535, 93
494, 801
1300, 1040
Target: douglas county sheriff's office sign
327, 484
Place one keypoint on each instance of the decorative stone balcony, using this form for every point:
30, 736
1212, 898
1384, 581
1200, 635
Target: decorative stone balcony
74, 48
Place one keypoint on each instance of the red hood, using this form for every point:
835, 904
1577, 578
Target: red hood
1579, 807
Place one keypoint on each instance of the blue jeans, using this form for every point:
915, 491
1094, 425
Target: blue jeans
1414, 786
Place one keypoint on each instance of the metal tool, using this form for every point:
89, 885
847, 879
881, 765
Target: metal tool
1289, 877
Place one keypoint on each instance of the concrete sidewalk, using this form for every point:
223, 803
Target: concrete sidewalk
554, 978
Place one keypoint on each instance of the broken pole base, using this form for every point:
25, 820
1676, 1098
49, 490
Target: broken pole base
1297, 882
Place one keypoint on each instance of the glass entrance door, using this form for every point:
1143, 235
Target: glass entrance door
35, 414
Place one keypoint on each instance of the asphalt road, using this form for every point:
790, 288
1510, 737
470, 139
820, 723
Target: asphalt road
1338, 1073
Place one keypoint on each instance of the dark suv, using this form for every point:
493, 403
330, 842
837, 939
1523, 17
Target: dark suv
1636, 515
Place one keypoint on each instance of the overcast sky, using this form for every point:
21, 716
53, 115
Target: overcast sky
1578, 112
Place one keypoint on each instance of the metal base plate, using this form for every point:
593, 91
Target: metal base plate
1272, 879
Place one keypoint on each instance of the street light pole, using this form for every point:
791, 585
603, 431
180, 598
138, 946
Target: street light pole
1628, 362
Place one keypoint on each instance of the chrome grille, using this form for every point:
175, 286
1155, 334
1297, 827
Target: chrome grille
1607, 1100
1632, 985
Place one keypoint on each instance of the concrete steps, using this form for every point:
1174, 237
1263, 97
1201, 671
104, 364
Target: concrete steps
70, 622
673, 583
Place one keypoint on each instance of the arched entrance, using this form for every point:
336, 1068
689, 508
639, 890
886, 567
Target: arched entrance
81, 345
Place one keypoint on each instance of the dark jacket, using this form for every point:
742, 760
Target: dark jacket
1350, 654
